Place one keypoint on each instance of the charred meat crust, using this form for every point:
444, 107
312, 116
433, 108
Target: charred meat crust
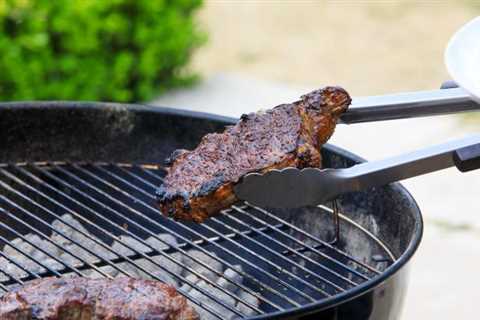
199, 183
211, 203
174, 156
88, 299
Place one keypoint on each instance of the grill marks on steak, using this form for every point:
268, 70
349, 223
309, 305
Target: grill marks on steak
89, 299
199, 183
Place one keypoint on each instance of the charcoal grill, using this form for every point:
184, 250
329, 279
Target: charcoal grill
77, 185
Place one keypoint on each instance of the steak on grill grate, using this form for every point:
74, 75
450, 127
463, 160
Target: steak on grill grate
86, 299
199, 183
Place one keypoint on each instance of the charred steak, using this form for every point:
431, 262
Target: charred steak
89, 299
199, 183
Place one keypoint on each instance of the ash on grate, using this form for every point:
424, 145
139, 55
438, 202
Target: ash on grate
38, 252
155, 265
213, 263
239, 294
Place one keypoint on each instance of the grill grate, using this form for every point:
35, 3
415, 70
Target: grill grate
100, 220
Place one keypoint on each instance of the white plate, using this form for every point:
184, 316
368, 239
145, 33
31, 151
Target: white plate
462, 58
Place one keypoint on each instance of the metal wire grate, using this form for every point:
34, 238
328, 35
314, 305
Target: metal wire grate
101, 220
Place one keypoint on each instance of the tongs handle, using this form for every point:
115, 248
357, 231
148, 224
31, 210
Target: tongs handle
463, 153
409, 105
294, 188
468, 158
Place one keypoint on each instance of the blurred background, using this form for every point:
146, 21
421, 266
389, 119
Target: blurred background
233, 57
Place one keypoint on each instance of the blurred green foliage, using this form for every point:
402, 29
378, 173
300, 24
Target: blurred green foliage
115, 50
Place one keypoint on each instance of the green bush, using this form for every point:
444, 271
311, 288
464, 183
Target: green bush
115, 50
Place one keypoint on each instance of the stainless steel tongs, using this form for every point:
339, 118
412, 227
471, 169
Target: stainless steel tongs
448, 100
291, 187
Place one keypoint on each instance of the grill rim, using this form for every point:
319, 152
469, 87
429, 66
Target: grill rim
310, 308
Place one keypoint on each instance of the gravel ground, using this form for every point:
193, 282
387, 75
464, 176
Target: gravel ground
441, 283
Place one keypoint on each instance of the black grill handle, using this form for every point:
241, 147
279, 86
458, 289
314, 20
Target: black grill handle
468, 158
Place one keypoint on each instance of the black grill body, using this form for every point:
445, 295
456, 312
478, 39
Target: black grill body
102, 134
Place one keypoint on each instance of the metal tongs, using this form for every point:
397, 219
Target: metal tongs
292, 188
449, 99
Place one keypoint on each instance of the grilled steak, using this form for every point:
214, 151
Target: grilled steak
88, 299
199, 183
